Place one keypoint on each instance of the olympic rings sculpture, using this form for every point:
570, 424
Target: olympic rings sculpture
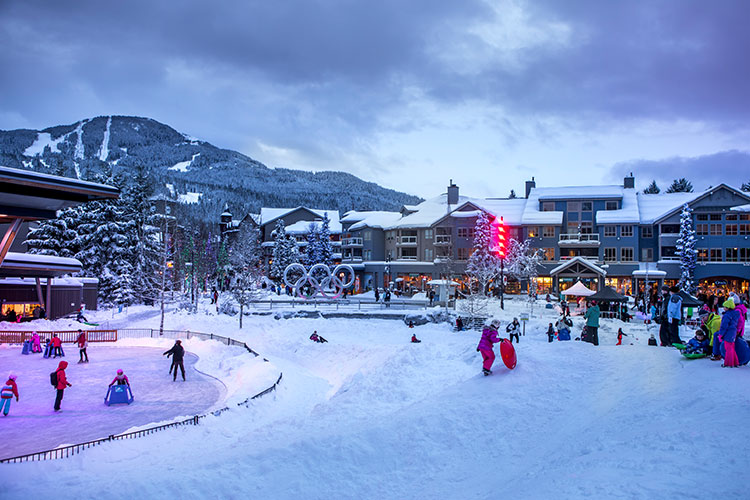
330, 281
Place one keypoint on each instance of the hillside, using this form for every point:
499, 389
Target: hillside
186, 169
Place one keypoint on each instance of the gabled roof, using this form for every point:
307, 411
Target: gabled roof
428, 212
627, 214
699, 196
578, 260
268, 215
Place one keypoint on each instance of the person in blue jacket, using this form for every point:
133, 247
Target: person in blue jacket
698, 344
674, 315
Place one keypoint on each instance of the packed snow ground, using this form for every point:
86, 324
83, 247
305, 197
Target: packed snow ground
371, 415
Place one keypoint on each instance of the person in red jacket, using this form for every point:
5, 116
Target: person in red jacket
62, 383
83, 344
9, 390
56, 346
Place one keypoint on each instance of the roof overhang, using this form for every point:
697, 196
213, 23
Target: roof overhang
23, 265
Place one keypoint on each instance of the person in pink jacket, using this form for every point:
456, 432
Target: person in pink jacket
36, 345
120, 379
489, 338
740, 307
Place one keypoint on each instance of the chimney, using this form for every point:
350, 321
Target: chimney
452, 193
529, 186
629, 182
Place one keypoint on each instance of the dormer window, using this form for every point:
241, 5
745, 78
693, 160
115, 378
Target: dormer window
610, 205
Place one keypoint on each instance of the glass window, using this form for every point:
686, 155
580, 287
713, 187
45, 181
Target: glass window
701, 217
732, 254
548, 206
574, 206
428, 254
714, 217
701, 229
611, 205
731, 230
428, 234
533, 231
715, 229
586, 206
647, 232
573, 216
549, 254
626, 231
731, 217
627, 254
367, 235
744, 254
670, 228
744, 216
744, 229
702, 255
610, 254
715, 255
549, 231
463, 253
610, 231
647, 254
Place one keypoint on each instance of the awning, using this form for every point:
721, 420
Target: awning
442, 282
607, 294
24, 265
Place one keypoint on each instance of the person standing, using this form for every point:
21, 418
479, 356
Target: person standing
9, 390
489, 338
56, 346
592, 323
512, 330
432, 297
620, 335
83, 344
674, 315
62, 383
387, 298
377, 294
728, 333
178, 354
36, 344
664, 334
550, 333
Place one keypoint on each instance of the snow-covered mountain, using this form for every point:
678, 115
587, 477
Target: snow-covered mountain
185, 168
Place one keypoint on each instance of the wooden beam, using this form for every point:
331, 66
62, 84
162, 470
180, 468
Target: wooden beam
10, 235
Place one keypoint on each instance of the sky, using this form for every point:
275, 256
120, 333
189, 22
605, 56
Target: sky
406, 93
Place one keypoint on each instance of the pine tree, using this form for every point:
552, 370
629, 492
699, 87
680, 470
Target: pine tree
312, 251
483, 264
686, 251
285, 251
47, 238
652, 188
681, 185
324, 241
746, 186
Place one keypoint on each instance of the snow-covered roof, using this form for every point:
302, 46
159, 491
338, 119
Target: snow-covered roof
268, 215
581, 260
428, 212
579, 192
741, 208
511, 209
303, 227
579, 290
377, 220
627, 214
533, 216
67, 281
653, 207
651, 273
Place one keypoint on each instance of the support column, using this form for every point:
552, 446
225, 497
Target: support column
10, 235
48, 303
39, 294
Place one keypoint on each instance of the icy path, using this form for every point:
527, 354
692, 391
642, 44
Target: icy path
32, 425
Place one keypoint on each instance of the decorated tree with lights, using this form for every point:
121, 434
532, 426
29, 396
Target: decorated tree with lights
522, 262
686, 250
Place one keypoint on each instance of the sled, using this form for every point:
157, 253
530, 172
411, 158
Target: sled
694, 355
118, 394
679, 346
508, 354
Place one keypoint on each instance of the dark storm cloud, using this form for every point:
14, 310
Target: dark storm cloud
729, 167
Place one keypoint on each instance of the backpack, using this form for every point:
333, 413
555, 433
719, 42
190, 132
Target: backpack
53, 378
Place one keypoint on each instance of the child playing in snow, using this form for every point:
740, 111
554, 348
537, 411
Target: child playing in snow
550, 333
620, 335
317, 338
9, 390
120, 379
489, 338
414, 339
698, 344
36, 345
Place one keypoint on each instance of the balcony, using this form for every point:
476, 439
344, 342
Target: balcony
351, 242
589, 258
442, 239
407, 240
408, 257
579, 240
352, 258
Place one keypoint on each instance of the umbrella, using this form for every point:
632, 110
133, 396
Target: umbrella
688, 300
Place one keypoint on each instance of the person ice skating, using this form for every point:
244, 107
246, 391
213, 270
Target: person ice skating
489, 338
728, 333
512, 330
550, 333
414, 339
62, 383
698, 344
56, 346
674, 315
9, 390
178, 353
36, 345
620, 335
120, 379
83, 344
459, 324
592, 323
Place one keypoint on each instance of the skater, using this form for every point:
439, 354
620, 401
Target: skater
9, 390
83, 344
62, 383
728, 333
414, 339
377, 294
411, 324
489, 338
56, 346
178, 353
36, 345
550, 333
674, 315
592, 323
512, 329
620, 335
120, 379
459, 324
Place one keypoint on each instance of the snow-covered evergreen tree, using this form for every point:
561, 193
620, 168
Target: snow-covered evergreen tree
285, 251
652, 188
522, 262
144, 237
48, 238
245, 262
746, 186
686, 250
681, 185
312, 251
483, 263
324, 241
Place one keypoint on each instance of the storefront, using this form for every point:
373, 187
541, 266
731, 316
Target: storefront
410, 283
723, 286
622, 285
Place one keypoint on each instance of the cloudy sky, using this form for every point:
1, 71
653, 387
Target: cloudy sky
406, 93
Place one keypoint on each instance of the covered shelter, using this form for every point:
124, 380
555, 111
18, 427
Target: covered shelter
688, 300
578, 290
578, 268
607, 294
27, 196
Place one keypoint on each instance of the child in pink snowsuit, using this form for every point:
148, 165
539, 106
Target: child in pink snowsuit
36, 345
489, 338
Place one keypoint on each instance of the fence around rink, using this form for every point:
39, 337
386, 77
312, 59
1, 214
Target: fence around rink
70, 450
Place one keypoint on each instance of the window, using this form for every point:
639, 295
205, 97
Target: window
744, 216
744, 254
744, 229
732, 254
731, 229
466, 232
367, 235
715, 229
670, 228
574, 206
702, 255
647, 254
647, 232
408, 253
549, 231
731, 217
626, 254
626, 231
464, 253
532, 231
714, 217
610, 231
610, 255
701, 229
715, 255
548, 206
610, 205
701, 217
587, 206
549, 254
428, 255
428, 234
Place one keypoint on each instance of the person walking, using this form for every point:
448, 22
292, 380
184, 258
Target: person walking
178, 354
489, 338
62, 383
512, 330
9, 390
674, 315
83, 344
592, 323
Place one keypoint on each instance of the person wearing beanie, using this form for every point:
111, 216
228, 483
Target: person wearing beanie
674, 315
9, 390
489, 338
120, 379
728, 333
62, 383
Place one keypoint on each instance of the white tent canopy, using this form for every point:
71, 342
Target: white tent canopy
579, 289
442, 282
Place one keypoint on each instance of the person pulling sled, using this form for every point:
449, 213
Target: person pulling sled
490, 337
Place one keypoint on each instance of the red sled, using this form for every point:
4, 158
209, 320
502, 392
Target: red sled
508, 354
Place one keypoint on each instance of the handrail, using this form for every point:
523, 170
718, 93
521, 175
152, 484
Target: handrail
70, 450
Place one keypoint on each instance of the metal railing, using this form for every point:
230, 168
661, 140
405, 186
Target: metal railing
579, 238
286, 301
442, 239
407, 240
347, 242
70, 450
